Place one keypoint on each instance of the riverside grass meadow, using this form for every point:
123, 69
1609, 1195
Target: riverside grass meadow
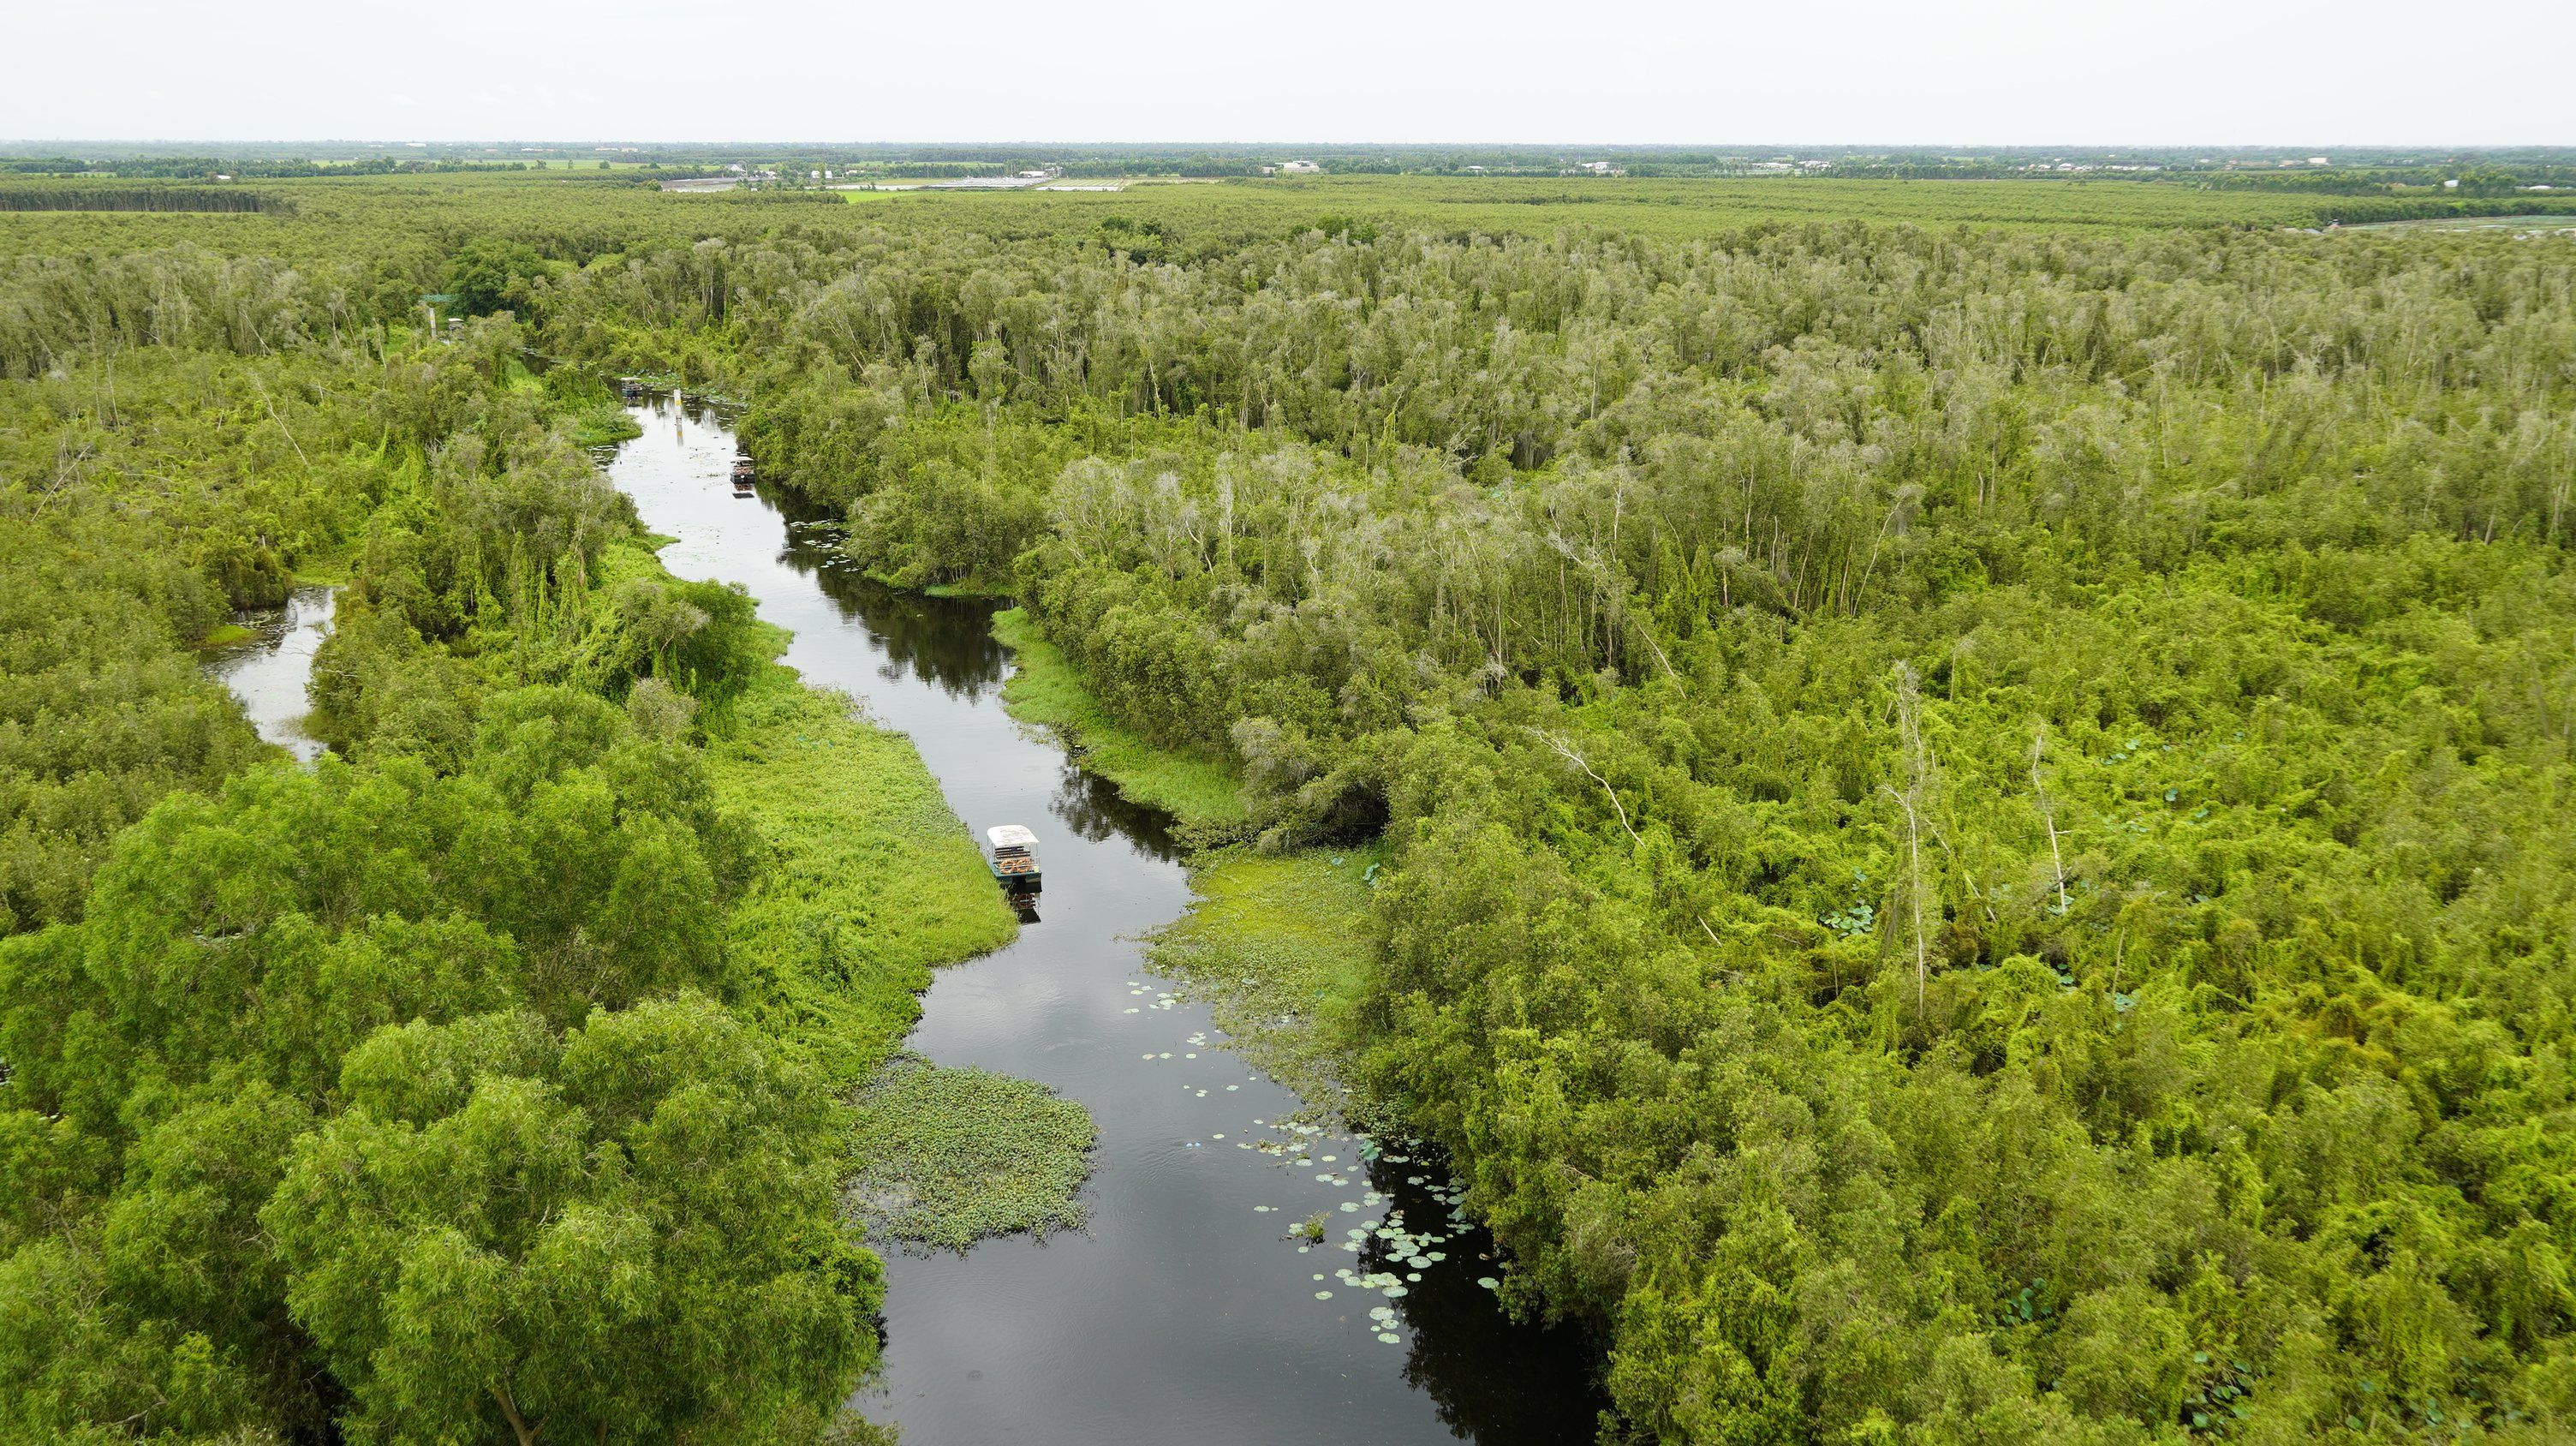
1946, 801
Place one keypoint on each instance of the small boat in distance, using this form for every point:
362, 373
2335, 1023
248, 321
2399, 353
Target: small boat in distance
742, 477
1012, 853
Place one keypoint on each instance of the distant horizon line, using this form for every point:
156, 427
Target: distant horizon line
1877, 146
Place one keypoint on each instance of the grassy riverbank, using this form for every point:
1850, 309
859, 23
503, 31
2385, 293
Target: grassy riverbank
867, 880
1278, 946
1276, 943
1044, 688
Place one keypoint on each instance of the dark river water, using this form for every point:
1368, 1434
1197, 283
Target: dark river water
1181, 1317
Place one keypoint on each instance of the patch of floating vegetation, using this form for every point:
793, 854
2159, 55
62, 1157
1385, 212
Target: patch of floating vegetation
1393, 1255
946, 1157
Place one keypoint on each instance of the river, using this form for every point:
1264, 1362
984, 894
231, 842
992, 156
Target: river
1181, 1316
268, 671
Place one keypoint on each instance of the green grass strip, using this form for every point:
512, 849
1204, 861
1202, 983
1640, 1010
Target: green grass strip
868, 878
1279, 947
1044, 688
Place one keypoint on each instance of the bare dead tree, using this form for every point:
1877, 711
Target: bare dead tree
2047, 811
1918, 784
1566, 751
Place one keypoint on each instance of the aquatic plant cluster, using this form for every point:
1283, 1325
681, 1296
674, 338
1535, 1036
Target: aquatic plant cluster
949, 1156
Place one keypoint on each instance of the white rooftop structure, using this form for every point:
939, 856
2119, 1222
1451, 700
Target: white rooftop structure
1010, 836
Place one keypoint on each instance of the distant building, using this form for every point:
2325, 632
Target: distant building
1300, 168
2319, 161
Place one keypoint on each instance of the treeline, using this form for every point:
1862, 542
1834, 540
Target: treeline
206, 168
2359, 209
1977, 825
417, 1095
211, 199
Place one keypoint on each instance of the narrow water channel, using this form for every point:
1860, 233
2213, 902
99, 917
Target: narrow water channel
1181, 1317
268, 671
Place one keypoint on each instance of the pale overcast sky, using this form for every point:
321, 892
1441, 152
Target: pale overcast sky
1932, 72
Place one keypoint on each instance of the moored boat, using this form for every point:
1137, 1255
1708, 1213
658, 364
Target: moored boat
1011, 852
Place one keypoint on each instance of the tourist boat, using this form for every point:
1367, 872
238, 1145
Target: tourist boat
629, 389
1012, 853
742, 478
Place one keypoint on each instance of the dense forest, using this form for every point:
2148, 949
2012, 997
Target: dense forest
1976, 824
443, 1091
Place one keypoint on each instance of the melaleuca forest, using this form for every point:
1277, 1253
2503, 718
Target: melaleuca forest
1179, 792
